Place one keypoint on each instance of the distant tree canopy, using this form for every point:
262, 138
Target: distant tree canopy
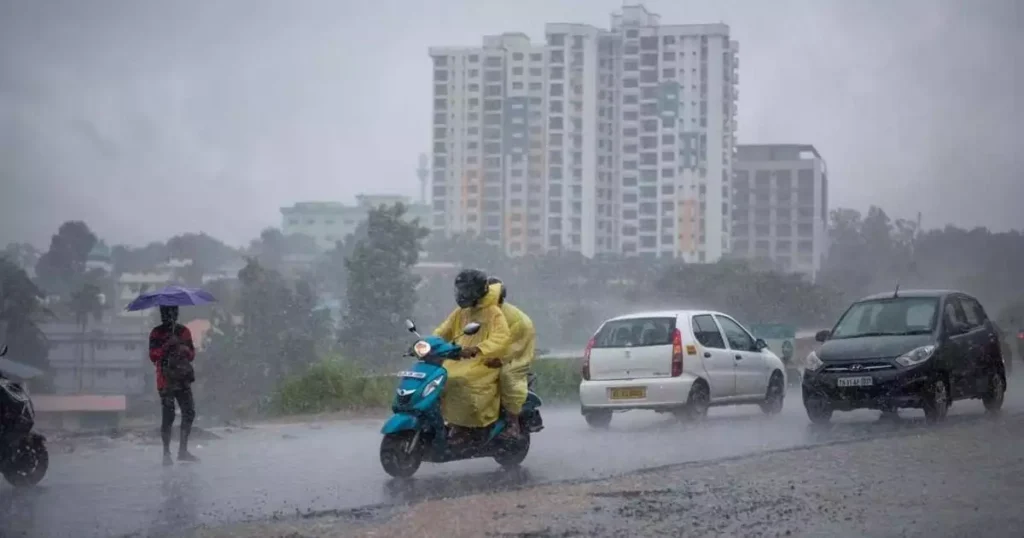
871, 253
21, 312
381, 285
61, 269
278, 331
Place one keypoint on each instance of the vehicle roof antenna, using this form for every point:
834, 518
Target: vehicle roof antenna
896, 292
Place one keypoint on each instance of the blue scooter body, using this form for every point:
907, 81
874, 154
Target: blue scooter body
417, 408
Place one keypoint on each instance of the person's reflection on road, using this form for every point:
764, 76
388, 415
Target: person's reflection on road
179, 508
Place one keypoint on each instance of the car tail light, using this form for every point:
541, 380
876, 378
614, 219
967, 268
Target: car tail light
677, 353
585, 372
1020, 335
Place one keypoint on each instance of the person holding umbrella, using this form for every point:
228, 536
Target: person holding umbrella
172, 351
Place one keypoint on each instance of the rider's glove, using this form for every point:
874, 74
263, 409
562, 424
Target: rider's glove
469, 352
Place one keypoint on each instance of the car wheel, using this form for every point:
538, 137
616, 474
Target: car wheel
993, 397
598, 419
819, 409
776, 395
936, 401
697, 403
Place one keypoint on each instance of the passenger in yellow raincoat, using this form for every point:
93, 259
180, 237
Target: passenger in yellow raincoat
471, 398
513, 379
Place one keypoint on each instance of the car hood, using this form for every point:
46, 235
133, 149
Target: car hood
871, 347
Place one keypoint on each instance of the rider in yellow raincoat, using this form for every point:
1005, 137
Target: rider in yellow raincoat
513, 380
471, 397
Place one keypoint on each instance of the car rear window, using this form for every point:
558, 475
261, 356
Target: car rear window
636, 332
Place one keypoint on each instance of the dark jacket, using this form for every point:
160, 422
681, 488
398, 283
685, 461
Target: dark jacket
160, 346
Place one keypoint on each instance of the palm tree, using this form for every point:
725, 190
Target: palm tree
86, 302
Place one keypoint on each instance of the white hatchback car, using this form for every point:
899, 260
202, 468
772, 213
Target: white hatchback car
677, 361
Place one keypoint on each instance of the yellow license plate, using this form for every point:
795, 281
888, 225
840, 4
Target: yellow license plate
630, 393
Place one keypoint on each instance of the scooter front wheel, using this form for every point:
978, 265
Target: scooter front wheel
29, 463
397, 455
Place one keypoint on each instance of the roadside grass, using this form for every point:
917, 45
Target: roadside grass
336, 385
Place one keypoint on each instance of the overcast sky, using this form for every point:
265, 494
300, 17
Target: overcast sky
214, 114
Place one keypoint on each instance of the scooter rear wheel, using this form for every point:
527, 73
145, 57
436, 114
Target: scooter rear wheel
513, 454
397, 458
28, 464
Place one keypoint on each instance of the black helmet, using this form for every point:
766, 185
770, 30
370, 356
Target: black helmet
470, 287
504, 290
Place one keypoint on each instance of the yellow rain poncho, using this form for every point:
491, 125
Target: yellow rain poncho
513, 377
471, 398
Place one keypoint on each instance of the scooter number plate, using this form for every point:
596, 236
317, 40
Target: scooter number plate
412, 375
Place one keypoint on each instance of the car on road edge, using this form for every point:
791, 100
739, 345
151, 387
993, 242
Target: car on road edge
681, 361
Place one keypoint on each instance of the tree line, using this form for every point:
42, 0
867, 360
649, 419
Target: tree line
274, 320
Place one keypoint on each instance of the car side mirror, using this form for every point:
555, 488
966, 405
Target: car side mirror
410, 326
471, 328
822, 335
760, 344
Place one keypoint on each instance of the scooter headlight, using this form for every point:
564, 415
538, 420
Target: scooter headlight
432, 386
421, 349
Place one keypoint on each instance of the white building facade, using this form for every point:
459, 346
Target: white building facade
599, 141
780, 206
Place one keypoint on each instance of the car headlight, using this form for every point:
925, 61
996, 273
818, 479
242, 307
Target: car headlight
421, 349
916, 356
813, 363
432, 386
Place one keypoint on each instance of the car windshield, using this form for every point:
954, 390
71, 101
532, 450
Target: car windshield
636, 332
884, 317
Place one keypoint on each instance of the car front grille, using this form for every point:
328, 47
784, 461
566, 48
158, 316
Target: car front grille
855, 367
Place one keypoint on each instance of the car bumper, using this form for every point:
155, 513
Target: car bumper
903, 387
660, 393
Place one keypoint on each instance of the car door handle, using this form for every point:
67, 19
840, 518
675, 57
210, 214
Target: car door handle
739, 357
707, 354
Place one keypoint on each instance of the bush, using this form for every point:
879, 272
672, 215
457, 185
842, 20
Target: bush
338, 385
333, 385
558, 380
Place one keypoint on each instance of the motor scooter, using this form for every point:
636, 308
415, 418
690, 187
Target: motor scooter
24, 459
417, 432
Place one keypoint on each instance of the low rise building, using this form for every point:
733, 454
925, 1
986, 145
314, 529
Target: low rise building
331, 222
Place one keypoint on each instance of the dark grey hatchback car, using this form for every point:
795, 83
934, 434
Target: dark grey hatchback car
920, 349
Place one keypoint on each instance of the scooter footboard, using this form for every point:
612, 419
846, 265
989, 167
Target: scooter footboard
400, 422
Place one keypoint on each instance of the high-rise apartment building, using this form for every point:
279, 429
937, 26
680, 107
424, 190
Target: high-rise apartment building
599, 141
780, 206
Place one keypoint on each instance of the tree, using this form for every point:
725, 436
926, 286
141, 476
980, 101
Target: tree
62, 268
21, 312
22, 255
272, 248
85, 303
276, 331
205, 251
381, 285
136, 260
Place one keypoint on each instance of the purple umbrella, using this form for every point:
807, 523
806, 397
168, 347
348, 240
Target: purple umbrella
171, 296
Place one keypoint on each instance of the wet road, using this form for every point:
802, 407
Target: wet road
284, 470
